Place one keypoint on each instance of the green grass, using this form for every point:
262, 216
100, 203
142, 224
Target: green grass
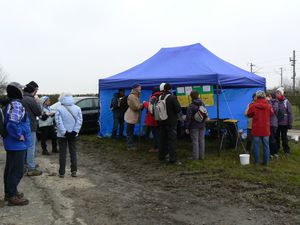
283, 173
296, 113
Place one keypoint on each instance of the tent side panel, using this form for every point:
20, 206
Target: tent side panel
106, 115
233, 103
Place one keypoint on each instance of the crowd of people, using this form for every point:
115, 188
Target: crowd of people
22, 115
163, 112
269, 119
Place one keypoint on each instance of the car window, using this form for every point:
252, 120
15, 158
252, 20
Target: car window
96, 103
85, 104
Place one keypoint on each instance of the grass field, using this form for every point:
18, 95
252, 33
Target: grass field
296, 113
284, 173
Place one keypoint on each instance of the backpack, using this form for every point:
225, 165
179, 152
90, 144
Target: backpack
160, 109
201, 115
152, 104
124, 104
3, 131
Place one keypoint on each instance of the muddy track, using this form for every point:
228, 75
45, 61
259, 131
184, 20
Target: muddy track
116, 188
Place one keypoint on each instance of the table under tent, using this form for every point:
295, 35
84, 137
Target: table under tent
186, 66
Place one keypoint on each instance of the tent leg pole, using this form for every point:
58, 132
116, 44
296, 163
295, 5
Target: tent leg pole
218, 121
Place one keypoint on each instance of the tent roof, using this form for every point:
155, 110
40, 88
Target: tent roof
182, 66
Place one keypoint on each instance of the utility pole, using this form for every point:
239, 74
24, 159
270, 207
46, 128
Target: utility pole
251, 67
293, 63
281, 77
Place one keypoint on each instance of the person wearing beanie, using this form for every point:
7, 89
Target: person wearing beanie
285, 120
151, 123
261, 112
46, 126
16, 142
34, 111
272, 100
68, 118
133, 113
118, 106
168, 127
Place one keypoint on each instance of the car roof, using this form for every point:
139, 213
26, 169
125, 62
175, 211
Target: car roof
77, 99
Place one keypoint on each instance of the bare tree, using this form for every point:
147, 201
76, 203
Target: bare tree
3, 81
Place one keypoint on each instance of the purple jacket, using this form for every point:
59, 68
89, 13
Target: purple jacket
190, 122
285, 113
274, 119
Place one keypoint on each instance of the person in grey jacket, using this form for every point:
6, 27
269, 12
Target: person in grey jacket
195, 128
271, 98
34, 111
285, 120
68, 118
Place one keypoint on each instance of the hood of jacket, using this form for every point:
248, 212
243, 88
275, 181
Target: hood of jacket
261, 104
197, 102
67, 100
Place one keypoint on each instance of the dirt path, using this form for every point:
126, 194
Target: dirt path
113, 189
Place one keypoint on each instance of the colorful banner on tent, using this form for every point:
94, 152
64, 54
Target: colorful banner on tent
206, 93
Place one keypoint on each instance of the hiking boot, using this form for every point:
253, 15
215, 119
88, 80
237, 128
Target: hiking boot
276, 156
35, 172
45, 153
131, 148
61, 176
154, 150
16, 201
74, 174
19, 195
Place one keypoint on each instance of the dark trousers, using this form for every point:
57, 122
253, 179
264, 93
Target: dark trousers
249, 140
273, 141
118, 123
282, 135
168, 142
155, 133
14, 171
48, 132
129, 134
64, 143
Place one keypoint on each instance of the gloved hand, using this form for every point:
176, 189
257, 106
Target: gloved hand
68, 135
44, 117
74, 134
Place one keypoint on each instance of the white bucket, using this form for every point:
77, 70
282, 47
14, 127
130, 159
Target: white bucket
244, 159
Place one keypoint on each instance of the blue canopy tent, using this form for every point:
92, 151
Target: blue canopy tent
185, 66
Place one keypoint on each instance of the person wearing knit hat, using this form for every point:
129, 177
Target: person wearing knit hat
133, 113
46, 126
261, 112
285, 120
34, 111
16, 142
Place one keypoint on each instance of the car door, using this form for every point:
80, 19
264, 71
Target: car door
88, 113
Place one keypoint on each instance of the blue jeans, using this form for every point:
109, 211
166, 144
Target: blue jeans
30, 159
256, 149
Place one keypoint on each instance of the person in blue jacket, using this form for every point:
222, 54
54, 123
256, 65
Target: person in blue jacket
68, 119
16, 142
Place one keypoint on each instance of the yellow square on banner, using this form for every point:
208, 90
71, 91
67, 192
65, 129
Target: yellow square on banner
208, 99
184, 100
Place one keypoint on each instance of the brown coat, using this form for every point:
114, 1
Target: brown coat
132, 115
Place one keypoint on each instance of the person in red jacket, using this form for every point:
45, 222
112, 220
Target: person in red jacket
150, 121
261, 111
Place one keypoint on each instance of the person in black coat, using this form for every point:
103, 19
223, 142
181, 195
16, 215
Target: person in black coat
168, 127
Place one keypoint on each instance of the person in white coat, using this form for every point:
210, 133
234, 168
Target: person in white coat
68, 119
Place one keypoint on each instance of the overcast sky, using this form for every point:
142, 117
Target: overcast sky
67, 45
